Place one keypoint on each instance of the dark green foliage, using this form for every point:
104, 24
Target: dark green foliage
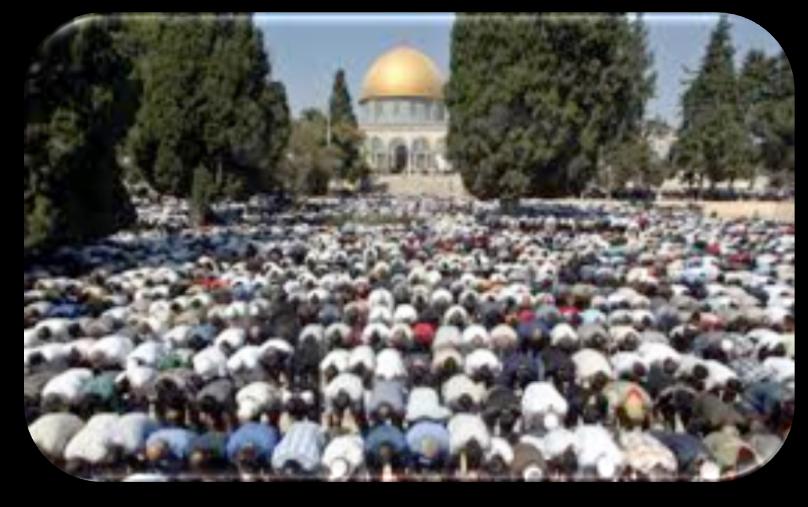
712, 140
634, 161
309, 164
79, 104
207, 102
555, 90
203, 191
767, 92
345, 133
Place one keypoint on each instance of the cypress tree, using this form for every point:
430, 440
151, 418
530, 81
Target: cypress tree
556, 89
207, 102
79, 103
712, 140
345, 134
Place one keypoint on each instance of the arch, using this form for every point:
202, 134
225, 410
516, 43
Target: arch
421, 154
378, 154
399, 155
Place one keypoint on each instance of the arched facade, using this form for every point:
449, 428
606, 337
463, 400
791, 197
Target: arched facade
402, 114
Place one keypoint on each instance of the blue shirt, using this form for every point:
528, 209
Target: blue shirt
66, 310
302, 443
387, 391
206, 331
264, 438
426, 433
385, 434
532, 360
178, 440
592, 316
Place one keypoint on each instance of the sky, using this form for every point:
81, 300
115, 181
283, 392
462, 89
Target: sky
306, 49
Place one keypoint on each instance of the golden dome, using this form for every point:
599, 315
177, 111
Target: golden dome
402, 72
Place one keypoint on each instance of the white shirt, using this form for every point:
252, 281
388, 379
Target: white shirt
622, 333
542, 397
479, 358
653, 353
91, 443
460, 384
363, 354
348, 382
594, 444
337, 330
178, 335
246, 358
381, 297
424, 403
254, 397
504, 334
347, 447
381, 329
623, 362
455, 312
338, 358
57, 326
557, 441
447, 336
590, 362
315, 331
465, 427
475, 335
780, 368
380, 314
500, 447
442, 296
562, 331
390, 365
146, 354
233, 336
139, 377
405, 313
52, 432
67, 385
210, 362
717, 374
113, 348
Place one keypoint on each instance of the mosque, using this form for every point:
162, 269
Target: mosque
402, 114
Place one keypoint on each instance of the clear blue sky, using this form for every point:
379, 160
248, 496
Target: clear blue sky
306, 49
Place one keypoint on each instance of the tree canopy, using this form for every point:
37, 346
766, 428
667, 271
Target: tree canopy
79, 104
712, 139
207, 102
345, 133
556, 90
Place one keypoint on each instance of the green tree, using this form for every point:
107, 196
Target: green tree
345, 133
556, 89
207, 102
712, 137
633, 161
202, 193
309, 164
79, 103
767, 92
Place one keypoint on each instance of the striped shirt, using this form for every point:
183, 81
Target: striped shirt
302, 443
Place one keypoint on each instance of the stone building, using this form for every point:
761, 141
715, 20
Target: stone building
402, 114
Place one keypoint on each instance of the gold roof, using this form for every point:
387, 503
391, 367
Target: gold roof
402, 72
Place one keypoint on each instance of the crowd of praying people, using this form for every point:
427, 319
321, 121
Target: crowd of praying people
604, 342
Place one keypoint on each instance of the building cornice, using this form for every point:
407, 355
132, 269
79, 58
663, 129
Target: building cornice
403, 126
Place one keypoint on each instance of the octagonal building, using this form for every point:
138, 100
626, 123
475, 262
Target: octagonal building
402, 114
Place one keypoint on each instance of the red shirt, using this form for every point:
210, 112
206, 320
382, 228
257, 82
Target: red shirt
424, 333
527, 315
